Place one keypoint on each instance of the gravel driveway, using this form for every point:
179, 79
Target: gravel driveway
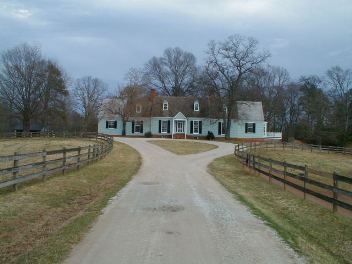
173, 211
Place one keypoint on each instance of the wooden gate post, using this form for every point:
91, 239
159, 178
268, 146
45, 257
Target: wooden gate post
334, 205
63, 160
305, 180
88, 154
15, 169
44, 164
78, 158
285, 170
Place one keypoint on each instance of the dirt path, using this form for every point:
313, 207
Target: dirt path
173, 211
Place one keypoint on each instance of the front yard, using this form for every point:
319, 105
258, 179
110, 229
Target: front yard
183, 147
42, 221
310, 229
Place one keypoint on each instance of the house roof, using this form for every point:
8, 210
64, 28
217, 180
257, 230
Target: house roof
209, 107
250, 111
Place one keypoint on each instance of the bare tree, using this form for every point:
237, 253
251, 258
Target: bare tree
23, 78
122, 104
89, 93
340, 82
173, 74
228, 64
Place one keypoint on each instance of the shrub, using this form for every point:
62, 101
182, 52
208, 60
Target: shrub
148, 134
210, 136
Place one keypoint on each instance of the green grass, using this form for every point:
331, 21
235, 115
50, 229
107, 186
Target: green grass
312, 230
183, 147
42, 221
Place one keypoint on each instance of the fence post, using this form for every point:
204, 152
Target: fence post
285, 170
305, 180
78, 157
94, 152
63, 160
44, 164
15, 169
88, 154
334, 205
270, 170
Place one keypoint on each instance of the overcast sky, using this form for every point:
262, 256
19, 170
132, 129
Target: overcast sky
105, 38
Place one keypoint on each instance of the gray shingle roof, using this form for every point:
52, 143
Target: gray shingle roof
250, 111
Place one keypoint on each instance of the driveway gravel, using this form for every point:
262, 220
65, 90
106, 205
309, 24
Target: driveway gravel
173, 211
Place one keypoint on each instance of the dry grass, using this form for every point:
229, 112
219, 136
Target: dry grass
323, 161
310, 229
183, 147
43, 220
23, 145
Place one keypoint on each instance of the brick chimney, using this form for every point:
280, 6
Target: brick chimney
153, 94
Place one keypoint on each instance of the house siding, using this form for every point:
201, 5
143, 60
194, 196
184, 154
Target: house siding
152, 125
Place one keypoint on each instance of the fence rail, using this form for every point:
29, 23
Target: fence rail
336, 189
23, 167
296, 146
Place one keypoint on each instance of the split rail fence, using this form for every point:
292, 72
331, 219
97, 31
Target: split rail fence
23, 167
332, 188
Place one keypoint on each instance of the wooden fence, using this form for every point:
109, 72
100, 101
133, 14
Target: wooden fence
296, 146
23, 167
329, 187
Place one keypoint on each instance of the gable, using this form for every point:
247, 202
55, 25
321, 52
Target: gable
179, 116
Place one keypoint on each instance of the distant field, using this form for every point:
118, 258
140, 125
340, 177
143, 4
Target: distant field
9, 146
327, 162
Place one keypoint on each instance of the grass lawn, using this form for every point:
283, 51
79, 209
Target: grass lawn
323, 161
183, 147
9, 146
42, 221
310, 229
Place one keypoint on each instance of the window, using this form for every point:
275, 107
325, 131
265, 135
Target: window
164, 126
221, 128
111, 124
180, 126
138, 108
250, 127
138, 127
196, 106
195, 127
264, 129
165, 105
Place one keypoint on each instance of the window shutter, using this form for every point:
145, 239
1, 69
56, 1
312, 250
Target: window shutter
141, 127
253, 127
246, 127
168, 126
219, 128
159, 126
132, 127
200, 127
191, 127
106, 124
115, 124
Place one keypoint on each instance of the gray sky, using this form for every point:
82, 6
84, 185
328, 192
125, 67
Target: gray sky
105, 38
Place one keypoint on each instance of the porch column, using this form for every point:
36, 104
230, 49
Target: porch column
172, 130
185, 128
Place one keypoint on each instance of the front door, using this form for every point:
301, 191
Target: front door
180, 126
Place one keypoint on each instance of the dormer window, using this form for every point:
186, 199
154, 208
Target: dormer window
138, 108
165, 105
225, 108
196, 106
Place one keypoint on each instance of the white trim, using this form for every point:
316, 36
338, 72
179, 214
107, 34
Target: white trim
222, 128
161, 126
247, 128
196, 103
138, 108
167, 105
193, 127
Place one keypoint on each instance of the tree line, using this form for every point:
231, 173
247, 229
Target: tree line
314, 109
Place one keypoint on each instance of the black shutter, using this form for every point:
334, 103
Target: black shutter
132, 127
115, 124
106, 124
219, 128
191, 127
168, 126
246, 127
159, 126
253, 127
200, 127
141, 126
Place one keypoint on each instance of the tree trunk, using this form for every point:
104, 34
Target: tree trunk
26, 123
